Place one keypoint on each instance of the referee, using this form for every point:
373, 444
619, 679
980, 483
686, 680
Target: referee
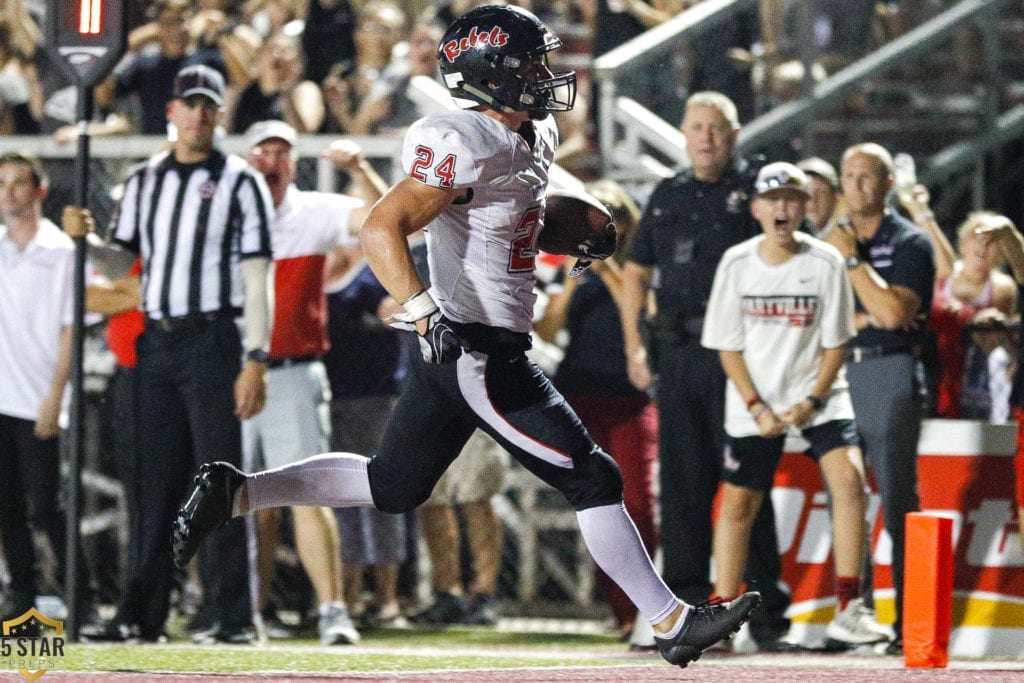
201, 221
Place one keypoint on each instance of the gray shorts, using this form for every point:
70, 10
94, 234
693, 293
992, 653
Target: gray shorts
294, 424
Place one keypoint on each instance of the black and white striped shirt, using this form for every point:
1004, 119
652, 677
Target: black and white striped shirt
192, 224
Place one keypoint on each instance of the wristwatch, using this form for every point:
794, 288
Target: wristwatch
258, 356
853, 261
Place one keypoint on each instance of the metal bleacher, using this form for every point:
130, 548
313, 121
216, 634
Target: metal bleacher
955, 113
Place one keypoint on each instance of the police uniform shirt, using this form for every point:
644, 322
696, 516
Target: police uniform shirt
482, 251
192, 224
686, 227
902, 255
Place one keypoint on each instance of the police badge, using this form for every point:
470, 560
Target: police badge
736, 200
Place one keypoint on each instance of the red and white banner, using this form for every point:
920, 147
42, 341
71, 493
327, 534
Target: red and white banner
965, 472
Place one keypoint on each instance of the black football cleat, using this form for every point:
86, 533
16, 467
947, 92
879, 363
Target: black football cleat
208, 507
706, 624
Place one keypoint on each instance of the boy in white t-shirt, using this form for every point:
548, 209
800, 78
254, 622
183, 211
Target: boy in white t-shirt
780, 315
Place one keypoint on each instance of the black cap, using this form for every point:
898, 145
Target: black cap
199, 79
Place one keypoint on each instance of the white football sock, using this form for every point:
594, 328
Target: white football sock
671, 633
334, 480
616, 547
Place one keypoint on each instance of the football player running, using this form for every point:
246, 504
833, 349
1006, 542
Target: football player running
477, 179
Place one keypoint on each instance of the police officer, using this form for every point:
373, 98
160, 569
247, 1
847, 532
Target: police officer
689, 222
892, 269
201, 221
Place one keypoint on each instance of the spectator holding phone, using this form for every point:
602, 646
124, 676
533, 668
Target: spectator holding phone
965, 285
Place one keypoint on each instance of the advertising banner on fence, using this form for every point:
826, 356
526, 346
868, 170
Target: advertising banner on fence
965, 470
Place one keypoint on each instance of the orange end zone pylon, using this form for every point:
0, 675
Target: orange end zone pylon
927, 591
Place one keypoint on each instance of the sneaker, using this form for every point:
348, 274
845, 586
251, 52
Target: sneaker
785, 644
483, 610
895, 648
109, 632
374, 616
335, 626
240, 634
208, 507
275, 629
447, 609
705, 625
856, 625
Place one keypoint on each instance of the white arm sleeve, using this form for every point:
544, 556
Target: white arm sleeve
256, 310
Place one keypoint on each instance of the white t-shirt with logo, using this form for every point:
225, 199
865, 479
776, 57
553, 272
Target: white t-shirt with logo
781, 317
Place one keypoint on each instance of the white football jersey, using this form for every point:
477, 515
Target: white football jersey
482, 252
781, 317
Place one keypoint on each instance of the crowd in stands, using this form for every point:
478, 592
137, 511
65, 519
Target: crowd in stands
343, 68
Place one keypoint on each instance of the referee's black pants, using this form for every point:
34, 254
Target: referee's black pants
185, 384
691, 405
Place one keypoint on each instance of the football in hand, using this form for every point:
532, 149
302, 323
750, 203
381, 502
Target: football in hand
577, 224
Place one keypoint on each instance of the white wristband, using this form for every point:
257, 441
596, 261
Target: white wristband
417, 307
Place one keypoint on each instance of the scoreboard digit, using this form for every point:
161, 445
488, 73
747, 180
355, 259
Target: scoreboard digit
86, 37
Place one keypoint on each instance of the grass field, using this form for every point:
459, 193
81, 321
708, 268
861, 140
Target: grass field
380, 650
512, 652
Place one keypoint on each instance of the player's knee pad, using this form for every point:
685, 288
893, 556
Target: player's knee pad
595, 480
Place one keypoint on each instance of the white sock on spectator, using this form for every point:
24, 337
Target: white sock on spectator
616, 547
334, 480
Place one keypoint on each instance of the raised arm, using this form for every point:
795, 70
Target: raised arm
366, 183
916, 202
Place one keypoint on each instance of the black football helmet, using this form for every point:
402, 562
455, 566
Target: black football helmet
496, 55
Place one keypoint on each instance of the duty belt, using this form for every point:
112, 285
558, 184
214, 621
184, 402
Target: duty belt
858, 354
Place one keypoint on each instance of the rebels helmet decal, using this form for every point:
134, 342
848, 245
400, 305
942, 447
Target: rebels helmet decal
496, 55
494, 36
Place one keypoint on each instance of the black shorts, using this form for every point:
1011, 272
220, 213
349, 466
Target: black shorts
750, 461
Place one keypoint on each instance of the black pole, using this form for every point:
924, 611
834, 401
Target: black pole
73, 453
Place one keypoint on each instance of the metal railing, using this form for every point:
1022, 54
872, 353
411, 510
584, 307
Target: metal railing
647, 48
630, 134
788, 117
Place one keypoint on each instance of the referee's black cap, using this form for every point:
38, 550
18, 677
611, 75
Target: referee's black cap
199, 79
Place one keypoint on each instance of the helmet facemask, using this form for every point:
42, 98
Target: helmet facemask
538, 90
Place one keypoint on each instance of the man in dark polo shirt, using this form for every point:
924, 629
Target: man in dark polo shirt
892, 268
689, 222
